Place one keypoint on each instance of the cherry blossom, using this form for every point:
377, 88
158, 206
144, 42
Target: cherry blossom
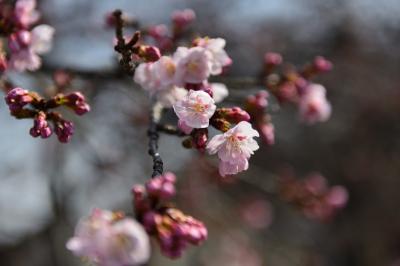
313, 105
234, 148
219, 57
193, 65
109, 239
26, 47
196, 109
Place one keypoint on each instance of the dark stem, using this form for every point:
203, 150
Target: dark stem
153, 135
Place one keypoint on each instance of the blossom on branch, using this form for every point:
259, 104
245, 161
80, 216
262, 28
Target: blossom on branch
110, 239
219, 57
173, 229
196, 109
234, 148
313, 105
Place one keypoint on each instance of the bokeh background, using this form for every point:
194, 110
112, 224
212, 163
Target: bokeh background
46, 186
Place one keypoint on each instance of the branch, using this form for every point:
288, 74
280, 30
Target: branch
153, 135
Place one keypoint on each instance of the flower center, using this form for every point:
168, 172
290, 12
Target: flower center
199, 107
234, 140
170, 67
192, 67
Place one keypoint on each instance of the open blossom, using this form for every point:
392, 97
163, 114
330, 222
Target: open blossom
196, 109
313, 105
219, 57
158, 79
193, 65
234, 148
26, 47
165, 70
144, 76
109, 239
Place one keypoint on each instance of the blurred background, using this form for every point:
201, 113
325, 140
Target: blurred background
46, 186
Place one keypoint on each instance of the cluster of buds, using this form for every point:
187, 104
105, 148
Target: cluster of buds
26, 104
256, 105
165, 37
296, 86
25, 40
110, 239
173, 229
313, 196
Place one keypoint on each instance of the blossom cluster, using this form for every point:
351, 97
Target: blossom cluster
110, 239
255, 105
25, 39
170, 78
173, 229
181, 81
27, 104
313, 196
296, 86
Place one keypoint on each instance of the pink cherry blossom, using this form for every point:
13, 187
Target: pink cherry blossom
26, 47
25, 59
107, 239
313, 105
193, 65
144, 76
234, 148
165, 70
184, 128
159, 80
196, 109
219, 57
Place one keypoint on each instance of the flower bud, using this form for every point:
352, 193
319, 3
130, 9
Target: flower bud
149, 53
40, 127
200, 137
267, 133
182, 18
77, 102
272, 59
19, 40
64, 130
322, 65
17, 98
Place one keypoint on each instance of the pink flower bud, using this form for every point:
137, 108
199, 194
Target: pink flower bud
158, 31
19, 40
322, 65
77, 102
236, 115
64, 130
182, 18
40, 127
149, 53
267, 133
17, 98
273, 59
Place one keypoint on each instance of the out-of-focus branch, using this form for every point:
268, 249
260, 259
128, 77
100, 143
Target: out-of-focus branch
153, 135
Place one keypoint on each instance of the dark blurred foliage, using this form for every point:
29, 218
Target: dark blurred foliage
46, 186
